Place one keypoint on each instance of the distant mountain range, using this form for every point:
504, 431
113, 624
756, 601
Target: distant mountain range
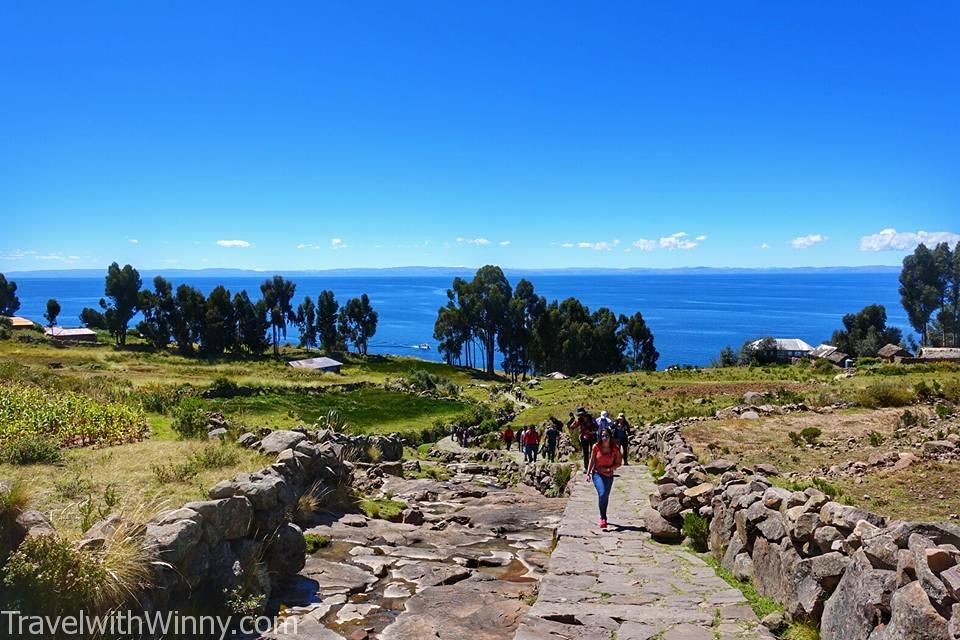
446, 272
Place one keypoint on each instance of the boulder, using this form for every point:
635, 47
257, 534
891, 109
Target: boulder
912, 617
718, 466
754, 397
217, 434
247, 440
859, 602
670, 508
766, 469
936, 591
286, 552
938, 447
96, 536
280, 440
750, 415
743, 567
225, 519
659, 527
846, 517
412, 516
774, 497
825, 538
704, 489
32, 524
939, 533
174, 537
881, 551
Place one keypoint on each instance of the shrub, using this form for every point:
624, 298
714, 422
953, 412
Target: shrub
656, 467
697, 529
190, 418
875, 438
315, 542
951, 390
222, 387
26, 448
13, 502
162, 398
211, 456
382, 508
886, 395
944, 410
795, 438
49, 575
810, 434
561, 478
908, 418
867, 361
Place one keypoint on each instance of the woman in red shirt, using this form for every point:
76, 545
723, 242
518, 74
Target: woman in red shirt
604, 460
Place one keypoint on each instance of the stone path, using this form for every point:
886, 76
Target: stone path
619, 584
449, 444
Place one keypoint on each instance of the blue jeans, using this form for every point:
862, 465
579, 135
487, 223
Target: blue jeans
604, 485
530, 452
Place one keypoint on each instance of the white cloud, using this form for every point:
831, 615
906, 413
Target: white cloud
236, 244
504, 243
567, 245
477, 242
680, 240
701, 238
16, 254
602, 245
337, 243
893, 240
645, 245
764, 246
805, 242
134, 241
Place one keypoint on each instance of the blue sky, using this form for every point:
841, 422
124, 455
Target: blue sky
533, 134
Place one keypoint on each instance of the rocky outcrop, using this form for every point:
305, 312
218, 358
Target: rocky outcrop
851, 571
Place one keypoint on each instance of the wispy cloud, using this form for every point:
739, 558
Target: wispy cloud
601, 245
134, 241
764, 246
477, 242
234, 244
504, 243
893, 240
645, 245
337, 243
805, 242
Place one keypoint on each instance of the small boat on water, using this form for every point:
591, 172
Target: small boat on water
422, 345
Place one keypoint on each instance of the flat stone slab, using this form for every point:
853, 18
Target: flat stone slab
620, 583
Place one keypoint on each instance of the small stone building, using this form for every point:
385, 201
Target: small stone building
893, 353
324, 364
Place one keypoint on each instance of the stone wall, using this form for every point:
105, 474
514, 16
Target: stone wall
856, 574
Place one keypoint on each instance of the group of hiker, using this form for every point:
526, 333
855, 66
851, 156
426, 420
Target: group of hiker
528, 441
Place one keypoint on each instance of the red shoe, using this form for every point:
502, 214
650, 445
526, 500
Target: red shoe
603, 523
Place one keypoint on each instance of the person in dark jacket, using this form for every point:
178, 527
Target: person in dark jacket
587, 434
621, 429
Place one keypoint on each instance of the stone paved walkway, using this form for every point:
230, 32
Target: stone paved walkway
620, 585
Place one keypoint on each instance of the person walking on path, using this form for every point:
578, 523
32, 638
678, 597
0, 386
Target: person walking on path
621, 429
588, 434
604, 461
552, 435
604, 421
531, 442
508, 437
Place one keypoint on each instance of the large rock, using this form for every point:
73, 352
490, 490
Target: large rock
32, 524
938, 447
659, 527
286, 551
929, 582
174, 535
846, 517
226, 519
912, 617
718, 466
280, 440
859, 602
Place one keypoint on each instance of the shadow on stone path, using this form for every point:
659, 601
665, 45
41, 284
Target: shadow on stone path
619, 584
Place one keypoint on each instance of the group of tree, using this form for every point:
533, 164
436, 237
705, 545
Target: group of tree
221, 321
864, 333
535, 335
9, 302
930, 284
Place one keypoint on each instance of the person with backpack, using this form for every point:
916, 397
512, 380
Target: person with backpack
604, 461
552, 436
587, 434
508, 437
621, 430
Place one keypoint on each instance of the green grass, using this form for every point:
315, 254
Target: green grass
382, 508
316, 542
367, 410
761, 605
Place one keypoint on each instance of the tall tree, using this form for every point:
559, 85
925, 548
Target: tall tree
278, 296
220, 323
9, 302
491, 294
358, 322
159, 310
188, 322
252, 323
639, 339
307, 323
922, 288
122, 289
327, 333
53, 310
865, 332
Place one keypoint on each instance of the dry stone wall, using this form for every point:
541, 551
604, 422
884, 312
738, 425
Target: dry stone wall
857, 574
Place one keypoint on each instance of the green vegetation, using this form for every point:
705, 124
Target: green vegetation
66, 418
760, 604
656, 467
29, 448
316, 542
210, 456
697, 529
886, 395
930, 282
190, 418
382, 508
865, 332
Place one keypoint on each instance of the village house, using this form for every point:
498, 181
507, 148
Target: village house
831, 354
893, 353
787, 349
16, 322
79, 334
327, 365
939, 354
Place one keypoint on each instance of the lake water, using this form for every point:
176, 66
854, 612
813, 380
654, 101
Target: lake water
692, 316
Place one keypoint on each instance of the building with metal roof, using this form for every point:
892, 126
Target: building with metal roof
318, 364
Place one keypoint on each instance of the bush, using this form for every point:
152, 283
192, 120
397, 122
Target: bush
656, 467
944, 410
211, 456
908, 419
29, 449
795, 438
697, 529
315, 542
886, 395
162, 398
190, 418
875, 438
561, 478
810, 434
13, 502
222, 387
49, 575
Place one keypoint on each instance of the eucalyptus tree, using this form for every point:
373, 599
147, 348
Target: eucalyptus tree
9, 302
326, 321
307, 322
358, 322
278, 296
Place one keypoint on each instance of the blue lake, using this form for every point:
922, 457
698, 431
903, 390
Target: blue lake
692, 316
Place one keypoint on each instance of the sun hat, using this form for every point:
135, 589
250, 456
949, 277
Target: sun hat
604, 414
620, 415
581, 411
